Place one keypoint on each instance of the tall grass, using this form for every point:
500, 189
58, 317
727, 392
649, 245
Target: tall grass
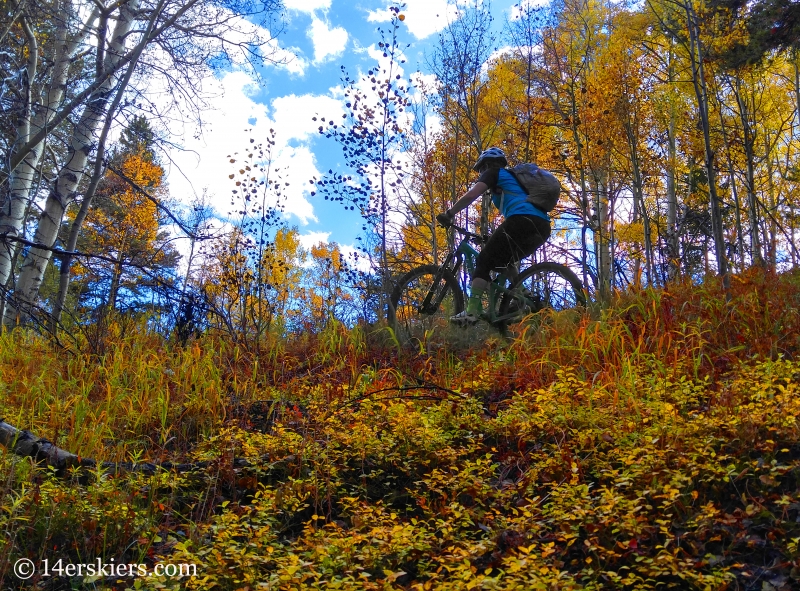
538, 454
145, 391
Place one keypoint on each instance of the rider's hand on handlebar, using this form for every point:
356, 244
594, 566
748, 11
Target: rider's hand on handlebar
445, 219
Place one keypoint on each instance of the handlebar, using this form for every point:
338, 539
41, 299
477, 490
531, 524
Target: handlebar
478, 238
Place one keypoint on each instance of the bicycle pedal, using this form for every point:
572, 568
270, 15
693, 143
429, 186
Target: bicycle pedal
464, 320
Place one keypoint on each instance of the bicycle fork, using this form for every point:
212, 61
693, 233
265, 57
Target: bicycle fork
438, 291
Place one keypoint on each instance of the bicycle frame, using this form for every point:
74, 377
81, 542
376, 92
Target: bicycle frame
464, 253
452, 264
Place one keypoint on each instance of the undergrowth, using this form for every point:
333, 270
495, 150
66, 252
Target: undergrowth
652, 445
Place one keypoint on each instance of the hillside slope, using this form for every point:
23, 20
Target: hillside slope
653, 445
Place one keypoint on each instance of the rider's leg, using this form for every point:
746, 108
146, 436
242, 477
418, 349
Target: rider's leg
518, 236
476, 291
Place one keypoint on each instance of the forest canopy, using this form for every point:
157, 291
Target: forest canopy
672, 127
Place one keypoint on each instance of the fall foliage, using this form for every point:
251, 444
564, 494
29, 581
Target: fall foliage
248, 404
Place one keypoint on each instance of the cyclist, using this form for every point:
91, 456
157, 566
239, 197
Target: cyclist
524, 229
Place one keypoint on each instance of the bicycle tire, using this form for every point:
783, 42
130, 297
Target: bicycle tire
412, 325
543, 286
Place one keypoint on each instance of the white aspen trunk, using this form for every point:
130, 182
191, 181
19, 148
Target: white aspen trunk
748, 141
21, 179
70, 175
587, 222
11, 217
673, 246
116, 279
451, 244
673, 243
772, 224
603, 241
638, 196
734, 191
701, 92
796, 65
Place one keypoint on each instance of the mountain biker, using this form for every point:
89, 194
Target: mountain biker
524, 229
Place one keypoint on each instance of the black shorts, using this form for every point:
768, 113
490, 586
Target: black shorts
517, 237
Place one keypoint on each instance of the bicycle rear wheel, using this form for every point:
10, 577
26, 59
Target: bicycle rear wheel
422, 303
543, 286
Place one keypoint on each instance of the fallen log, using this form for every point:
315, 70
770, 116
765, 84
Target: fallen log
25, 444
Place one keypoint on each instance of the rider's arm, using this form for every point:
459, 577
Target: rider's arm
474, 192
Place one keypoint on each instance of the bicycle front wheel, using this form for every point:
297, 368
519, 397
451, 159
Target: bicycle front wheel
543, 286
422, 303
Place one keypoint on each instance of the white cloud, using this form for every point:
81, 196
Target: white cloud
221, 134
376, 54
238, 38
214, 229
526, 5
328, 42
351, 254
383, 68
287, 59
308, 6
292, 114
497, 54
295, 167
423, 17
233, 112
428, 117
382, 15
313, 239
500, 52
428, 81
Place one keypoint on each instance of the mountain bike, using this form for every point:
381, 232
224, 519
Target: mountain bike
425, 298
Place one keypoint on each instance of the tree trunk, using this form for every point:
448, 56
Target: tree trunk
673, 241
21, 181
701, 92
749, 139
638, 196
21, 177
734, 189
737, 206
72, 240
116, 279
77, 223
585, 209
451, 244
796, 65
772, 207
603, 242
63, 194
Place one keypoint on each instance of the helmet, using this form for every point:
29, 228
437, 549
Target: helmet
490, 154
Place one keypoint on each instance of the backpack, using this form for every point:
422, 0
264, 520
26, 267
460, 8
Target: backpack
542, 187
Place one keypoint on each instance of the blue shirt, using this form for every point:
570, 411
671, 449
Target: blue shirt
507, 195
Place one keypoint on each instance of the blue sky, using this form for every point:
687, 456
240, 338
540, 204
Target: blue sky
319, 37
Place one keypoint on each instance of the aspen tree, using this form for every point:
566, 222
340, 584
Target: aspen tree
81, 59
